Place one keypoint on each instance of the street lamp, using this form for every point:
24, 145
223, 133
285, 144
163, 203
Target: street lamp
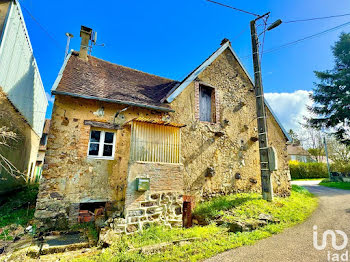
264, 150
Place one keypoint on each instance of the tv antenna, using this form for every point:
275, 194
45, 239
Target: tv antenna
93, 42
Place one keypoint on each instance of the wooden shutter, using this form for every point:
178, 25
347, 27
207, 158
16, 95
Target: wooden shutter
155, 143
205, 104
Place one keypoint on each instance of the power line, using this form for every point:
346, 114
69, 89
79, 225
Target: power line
58, 45
302, 39
314, 18
234, 8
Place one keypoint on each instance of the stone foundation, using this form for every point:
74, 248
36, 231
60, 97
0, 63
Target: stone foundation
158, 208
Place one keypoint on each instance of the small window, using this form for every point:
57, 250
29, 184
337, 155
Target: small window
206, 104
101, 144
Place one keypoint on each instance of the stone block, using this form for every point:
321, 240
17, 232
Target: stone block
131, 228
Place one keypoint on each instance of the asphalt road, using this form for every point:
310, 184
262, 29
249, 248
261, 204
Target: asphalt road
296, 243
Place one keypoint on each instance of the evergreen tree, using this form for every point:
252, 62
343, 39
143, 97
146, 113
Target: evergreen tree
331, 96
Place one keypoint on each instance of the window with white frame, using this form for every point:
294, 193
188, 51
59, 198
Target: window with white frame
101, 144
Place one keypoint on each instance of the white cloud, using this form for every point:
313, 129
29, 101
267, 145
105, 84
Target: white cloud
290, 108
49, 97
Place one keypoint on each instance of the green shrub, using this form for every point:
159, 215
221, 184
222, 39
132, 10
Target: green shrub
341, 167
19, 207
300, 170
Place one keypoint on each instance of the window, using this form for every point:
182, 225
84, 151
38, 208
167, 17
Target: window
208, 103
155, 143
101, 144
43, 140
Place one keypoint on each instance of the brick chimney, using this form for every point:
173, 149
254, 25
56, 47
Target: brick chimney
85, 34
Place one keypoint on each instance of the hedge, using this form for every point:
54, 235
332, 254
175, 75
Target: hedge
307, 170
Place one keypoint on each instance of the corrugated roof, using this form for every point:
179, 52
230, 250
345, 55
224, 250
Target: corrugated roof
158, 122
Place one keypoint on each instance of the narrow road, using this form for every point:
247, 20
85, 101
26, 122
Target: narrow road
296, 243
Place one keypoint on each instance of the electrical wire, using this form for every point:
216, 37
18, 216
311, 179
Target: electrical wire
234, 8
306, 38
58, 45
301, 39
263, 41
314, 18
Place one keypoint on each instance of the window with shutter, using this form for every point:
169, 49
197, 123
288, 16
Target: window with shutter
155, 143
205, 103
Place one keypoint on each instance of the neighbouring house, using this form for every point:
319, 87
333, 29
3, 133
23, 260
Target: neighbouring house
22, 99
296, 152
142, 148
323, 159
41, 153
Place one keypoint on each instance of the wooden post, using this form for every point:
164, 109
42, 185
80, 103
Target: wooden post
266, 183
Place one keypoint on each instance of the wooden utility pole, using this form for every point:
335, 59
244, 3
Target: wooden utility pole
266, 182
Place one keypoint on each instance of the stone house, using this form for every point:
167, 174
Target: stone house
41, 153
22, 99
296, 152
146, 148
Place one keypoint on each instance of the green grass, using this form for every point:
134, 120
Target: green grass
214, 239
340, 185
18, 208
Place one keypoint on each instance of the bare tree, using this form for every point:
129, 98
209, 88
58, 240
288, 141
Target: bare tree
6, 137
337, 151
311, 139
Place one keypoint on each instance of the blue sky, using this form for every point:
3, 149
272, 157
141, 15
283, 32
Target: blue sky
170, 38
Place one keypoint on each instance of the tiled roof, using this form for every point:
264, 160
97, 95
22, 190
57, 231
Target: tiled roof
297, 150
46, 126
104, 80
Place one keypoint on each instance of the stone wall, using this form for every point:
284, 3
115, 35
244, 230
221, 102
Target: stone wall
22, 153
69, 176
229, 147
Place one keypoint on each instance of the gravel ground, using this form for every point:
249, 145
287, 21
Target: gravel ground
296, 243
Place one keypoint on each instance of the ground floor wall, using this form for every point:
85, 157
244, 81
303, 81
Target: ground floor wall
162, 203
21, 152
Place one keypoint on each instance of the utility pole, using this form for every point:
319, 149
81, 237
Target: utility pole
266, 182
326, 151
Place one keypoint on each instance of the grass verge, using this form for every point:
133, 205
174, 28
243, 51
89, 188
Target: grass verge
340, 185
213, 239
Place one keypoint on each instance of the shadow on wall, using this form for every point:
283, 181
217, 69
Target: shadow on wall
18, 152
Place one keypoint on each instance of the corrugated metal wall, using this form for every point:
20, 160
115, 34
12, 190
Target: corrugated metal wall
19, 74
155, 143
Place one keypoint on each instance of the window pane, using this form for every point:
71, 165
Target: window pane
107, 150
93, 150
95, 136
109, 137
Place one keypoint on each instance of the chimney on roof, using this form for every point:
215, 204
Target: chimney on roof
223, 41
85, 34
